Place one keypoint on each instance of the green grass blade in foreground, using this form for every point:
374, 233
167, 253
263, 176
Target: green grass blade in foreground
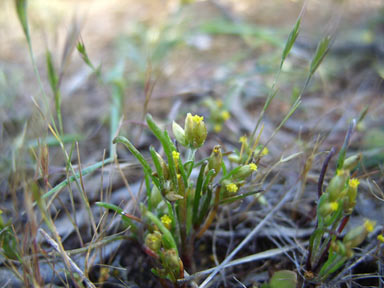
291, 40
54, 83
52, 141
167, 236
71, 179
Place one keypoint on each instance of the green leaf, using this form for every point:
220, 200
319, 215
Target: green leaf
158, 167
283, 279
291, 40
321, 51
199, 185
139, 156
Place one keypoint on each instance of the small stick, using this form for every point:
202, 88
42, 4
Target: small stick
73, 265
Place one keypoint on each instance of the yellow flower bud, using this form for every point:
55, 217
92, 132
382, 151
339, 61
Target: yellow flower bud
351, 162
171, 260
179, 133
380, 238
225, 115
243, 139
328, 207
167, 221
358, 234
336, 185
215, 160
244, 172
153, 241
351, 194
369, 225
195, 130
265, 151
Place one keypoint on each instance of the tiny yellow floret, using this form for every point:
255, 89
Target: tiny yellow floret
217, 128
253, 166
219, 103
369, 225
166, 220
197, 119
225, 115
232, 187
243, 139
265, 151
175, 155
353, 183
334, 206
380, 238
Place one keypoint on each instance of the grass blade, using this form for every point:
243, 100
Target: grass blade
321, 51
291, 40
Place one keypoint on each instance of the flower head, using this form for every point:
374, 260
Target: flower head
265, 151
175, 156
232, 187
334, 206
217, 128
369, 225
380, 238
195, 130
166, 220
353, 183
253, 166
243, 139
225, 115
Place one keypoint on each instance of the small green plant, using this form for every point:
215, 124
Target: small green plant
327, 251
179, 208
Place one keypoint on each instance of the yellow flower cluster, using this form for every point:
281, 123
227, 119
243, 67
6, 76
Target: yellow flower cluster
166, 220
231, 187
175, 156
197, 119
253, 166
354, 182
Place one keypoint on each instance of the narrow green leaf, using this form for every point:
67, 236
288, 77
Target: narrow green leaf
158, 167
54, 83
135, 152
52, 76
84, 172
205, 207
167, 145
199, 185
291, 40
